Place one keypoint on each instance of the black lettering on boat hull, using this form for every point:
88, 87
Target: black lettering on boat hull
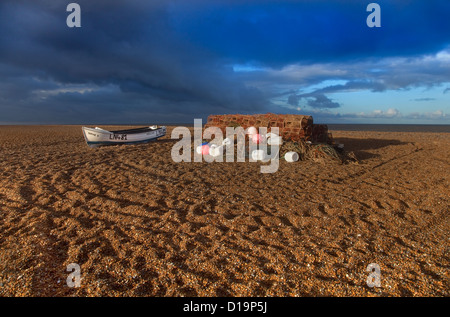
119, 137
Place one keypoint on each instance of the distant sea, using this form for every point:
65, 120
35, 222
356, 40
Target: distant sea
391, 127
439, 128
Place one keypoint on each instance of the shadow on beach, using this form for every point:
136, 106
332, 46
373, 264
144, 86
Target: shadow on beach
362, 147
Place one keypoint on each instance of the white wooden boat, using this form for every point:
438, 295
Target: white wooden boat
98, 137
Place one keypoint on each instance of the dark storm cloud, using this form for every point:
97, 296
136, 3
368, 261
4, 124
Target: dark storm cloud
127, 44
144, 60
322, 101
314, 100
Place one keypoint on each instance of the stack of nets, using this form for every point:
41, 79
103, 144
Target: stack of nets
311, 141
290, 127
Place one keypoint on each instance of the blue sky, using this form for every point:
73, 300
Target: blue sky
151, 62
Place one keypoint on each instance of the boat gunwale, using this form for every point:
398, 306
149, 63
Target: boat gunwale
127, 131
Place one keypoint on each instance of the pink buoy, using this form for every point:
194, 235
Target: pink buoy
257, 138
205, 149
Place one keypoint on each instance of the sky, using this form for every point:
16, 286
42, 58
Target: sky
170, 61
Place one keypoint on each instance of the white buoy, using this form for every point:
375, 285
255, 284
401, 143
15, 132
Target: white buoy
227, 141
216, 150
258, 155
291, 157
252, 131
277, 140
271, 135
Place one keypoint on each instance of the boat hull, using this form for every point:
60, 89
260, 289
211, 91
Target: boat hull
96, 137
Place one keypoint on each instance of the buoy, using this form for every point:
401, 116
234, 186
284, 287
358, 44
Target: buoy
271, 135
257, 138
252, 131
215, 150
278, 140
291, 157
258, 155
203, 148
227, 141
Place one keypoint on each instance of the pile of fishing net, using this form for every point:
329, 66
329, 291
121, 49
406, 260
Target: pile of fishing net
317, 152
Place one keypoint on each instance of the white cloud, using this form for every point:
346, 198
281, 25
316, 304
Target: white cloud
438, 114
390, 73
390, 113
